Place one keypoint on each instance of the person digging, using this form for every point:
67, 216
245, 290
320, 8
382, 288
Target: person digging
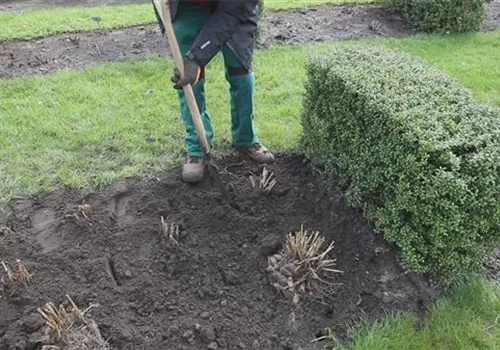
204, 28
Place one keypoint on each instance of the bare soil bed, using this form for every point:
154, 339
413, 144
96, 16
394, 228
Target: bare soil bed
212, 292
493, 18
298, 26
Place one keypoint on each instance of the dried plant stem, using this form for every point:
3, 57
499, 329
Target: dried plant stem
171, 232
61, 324
267, 180
23, 276
8, 271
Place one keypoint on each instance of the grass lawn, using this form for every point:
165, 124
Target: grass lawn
472, 59
38, 23
466, 321
91, 127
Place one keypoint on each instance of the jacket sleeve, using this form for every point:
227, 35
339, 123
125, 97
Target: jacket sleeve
221, 26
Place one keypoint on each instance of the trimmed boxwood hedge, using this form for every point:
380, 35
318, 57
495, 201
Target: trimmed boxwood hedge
412, 148
453, 16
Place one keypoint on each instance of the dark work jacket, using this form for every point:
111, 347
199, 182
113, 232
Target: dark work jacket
233, 22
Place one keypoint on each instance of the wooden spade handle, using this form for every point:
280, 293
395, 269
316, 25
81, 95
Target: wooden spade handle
188, 89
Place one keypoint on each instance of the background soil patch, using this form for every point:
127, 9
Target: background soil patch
212, 292
493, 19
299, 26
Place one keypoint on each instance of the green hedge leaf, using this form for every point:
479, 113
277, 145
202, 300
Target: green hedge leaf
412, 148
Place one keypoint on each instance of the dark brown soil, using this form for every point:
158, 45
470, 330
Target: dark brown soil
213, 291
79, 50
493, 19
299, 26
75, 50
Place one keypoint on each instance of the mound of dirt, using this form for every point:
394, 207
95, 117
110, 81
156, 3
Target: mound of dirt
212, 292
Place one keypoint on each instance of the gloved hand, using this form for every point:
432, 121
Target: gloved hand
192, 72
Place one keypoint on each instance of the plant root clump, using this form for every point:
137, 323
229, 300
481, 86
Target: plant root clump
302, 268
171, 232
70, 329
266, 181
10, 278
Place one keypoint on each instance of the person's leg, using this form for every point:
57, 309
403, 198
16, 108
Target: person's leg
188, 23
242, 90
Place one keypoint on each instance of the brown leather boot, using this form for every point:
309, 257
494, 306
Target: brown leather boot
193, 169
258, 153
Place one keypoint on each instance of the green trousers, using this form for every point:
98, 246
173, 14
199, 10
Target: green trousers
189, 21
